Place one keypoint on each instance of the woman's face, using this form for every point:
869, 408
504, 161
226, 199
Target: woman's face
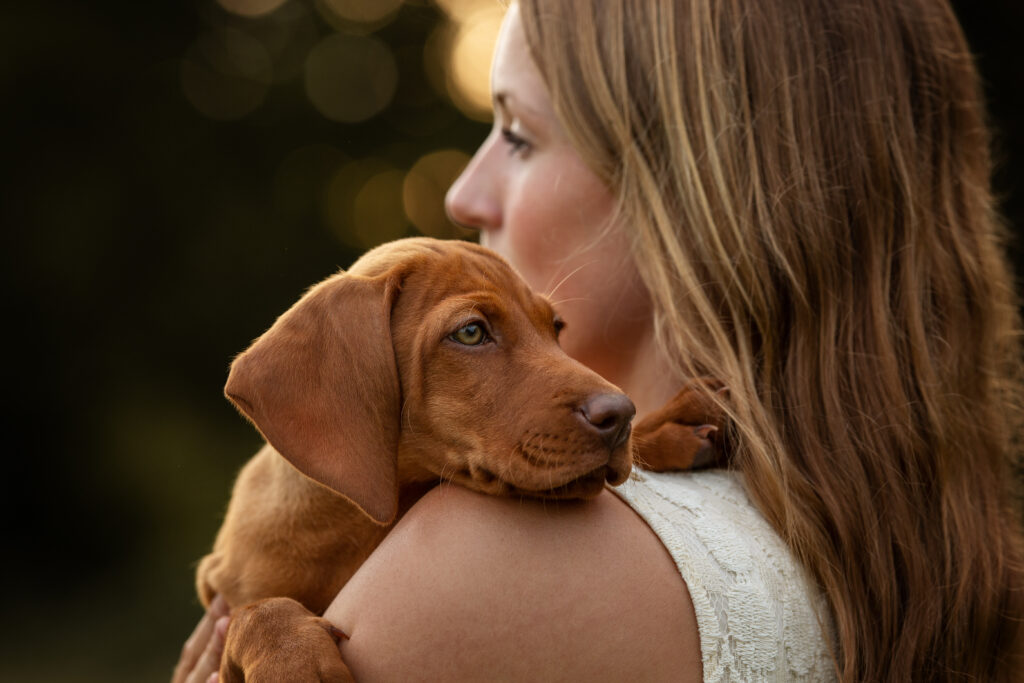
537, 204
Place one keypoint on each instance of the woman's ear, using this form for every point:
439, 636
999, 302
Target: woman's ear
322, 387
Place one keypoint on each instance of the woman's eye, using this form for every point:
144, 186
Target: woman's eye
517, 145
470, 335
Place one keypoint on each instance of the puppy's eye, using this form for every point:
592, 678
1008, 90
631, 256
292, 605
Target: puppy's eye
559, 325
472, 334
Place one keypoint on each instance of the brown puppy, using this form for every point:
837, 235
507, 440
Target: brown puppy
427, 361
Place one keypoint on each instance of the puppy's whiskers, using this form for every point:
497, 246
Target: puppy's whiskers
558, 303
443, 476
561, 282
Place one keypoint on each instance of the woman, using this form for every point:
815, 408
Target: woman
791, 196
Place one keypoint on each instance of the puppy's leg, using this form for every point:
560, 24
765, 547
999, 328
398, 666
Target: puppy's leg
685, 433
284, 535
278, 640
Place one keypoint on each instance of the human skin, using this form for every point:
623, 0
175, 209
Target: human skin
469, 587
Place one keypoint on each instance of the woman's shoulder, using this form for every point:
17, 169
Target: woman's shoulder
470, 587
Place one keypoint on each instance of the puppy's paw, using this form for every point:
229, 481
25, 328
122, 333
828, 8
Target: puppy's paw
278, 639
685, 433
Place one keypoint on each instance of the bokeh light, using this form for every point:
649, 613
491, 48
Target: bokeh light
359, 11
464, 47
250, 8
226, 74
363, 203
350, 78
424, 188
460, 10
287, 34
377, 210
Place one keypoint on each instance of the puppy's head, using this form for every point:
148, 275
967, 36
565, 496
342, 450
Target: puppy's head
429, 360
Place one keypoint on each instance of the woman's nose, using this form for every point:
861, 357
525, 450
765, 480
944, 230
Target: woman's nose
473, 199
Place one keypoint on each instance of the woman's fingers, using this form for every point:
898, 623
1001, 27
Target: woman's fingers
199, 643
206, 668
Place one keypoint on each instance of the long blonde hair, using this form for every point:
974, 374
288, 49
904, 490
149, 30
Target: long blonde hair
807, 185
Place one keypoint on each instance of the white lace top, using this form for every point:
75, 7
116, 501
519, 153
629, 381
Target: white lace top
760, 616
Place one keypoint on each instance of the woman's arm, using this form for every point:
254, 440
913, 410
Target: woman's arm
472, 587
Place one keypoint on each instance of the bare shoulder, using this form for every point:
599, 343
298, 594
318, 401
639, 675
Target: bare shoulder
472, 587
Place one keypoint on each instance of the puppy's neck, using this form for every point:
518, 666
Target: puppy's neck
414, 480
409, 493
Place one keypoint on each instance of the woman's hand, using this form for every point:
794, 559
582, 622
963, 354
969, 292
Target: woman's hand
200, 657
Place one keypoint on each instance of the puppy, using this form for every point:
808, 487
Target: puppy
427, 361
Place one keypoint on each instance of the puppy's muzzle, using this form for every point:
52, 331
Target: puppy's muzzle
608, 416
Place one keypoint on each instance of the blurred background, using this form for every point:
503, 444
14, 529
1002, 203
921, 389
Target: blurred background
177, 173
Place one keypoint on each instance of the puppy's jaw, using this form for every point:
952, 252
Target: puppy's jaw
582, 487
563, 469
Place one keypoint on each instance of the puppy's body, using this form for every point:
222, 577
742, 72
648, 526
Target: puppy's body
427, 361
285, 535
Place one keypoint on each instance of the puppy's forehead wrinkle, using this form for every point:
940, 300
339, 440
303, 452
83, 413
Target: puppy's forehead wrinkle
427, 250
453, 269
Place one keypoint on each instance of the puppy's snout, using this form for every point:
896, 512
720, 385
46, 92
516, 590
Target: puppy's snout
609, 416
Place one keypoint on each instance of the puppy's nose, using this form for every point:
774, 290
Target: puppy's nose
608, 415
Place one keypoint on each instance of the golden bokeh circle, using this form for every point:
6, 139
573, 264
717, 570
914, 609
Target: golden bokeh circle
362, 203
424, 189
464, 48
460, 10
350, 78
360, 11
377, 210
226, 74
250, 8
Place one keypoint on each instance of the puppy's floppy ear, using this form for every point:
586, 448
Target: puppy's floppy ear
322, 387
